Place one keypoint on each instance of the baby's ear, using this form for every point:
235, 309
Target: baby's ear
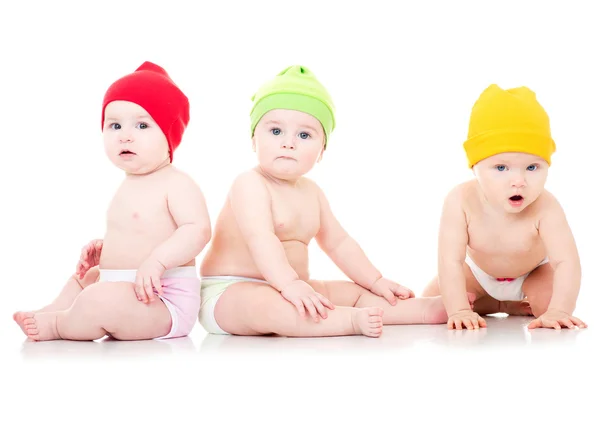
321, 154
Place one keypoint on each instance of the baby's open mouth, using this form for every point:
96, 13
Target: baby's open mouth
516, 198
127, 152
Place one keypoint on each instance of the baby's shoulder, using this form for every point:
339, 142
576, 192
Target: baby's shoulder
250, 177
463, 195
249, 185
175, 179
546, 204
309, 185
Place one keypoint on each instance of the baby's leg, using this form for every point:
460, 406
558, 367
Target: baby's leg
484, 304
409, 311
102, 308
537, 288
67, 296
250, 308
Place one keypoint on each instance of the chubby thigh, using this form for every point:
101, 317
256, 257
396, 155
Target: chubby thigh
115, 308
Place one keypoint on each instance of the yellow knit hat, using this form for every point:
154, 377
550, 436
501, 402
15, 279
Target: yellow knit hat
509, 120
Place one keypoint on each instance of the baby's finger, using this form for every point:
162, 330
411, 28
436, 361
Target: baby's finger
468, 323
391, 298
458, 324
536, 323
300, 307
482, 322
319, 306
157, 285
139, 291
556, 325
326, 302
310, 307
403, 293
567, 322
148, 289
578, 322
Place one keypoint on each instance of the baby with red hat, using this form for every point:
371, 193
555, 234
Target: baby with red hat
140, 281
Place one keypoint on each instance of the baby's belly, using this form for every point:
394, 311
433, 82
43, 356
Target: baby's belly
128, 250
507, 265
224, 260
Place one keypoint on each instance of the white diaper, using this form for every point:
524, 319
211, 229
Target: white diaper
211, 289
502, 290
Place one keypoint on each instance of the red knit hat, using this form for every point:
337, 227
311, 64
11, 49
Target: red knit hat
151, 87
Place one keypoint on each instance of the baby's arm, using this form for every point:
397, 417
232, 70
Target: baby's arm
251, 205
347, 254
452, 250
187, 206
564, 259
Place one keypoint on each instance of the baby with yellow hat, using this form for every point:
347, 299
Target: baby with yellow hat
255, 276
502, 236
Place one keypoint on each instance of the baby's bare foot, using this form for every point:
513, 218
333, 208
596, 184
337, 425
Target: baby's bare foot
41, 326
435, 313
368, 321
20, 317
516, 308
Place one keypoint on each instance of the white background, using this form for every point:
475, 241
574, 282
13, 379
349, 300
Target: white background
403, 79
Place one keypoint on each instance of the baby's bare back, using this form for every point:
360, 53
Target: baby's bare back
295, 221
138, 220
503, 246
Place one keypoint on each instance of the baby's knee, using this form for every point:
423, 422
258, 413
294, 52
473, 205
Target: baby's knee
91, 277
97, 297
539, 304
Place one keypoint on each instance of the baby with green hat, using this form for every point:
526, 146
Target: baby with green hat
255, 276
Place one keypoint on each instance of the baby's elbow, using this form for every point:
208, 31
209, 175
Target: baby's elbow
199, 236
204, 236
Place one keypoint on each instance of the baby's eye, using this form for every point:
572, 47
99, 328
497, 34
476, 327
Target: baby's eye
304, 135
142, 126
115, 126
276, 131
501, 168
532, 167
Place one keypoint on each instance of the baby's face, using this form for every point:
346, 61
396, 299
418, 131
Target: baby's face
132, 139
512, 180
288, 143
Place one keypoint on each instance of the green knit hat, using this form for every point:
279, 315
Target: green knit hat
295, 88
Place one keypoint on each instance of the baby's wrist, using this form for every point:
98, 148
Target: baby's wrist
289, 284
377, 278
459, 310
564, 311
158, 261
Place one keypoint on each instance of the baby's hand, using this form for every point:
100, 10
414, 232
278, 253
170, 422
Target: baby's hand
90, 257
556, 319
147, 280
389, 290
303, 296
468, 318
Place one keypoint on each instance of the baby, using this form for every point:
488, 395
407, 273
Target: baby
503, 237
157, 223
272, 213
